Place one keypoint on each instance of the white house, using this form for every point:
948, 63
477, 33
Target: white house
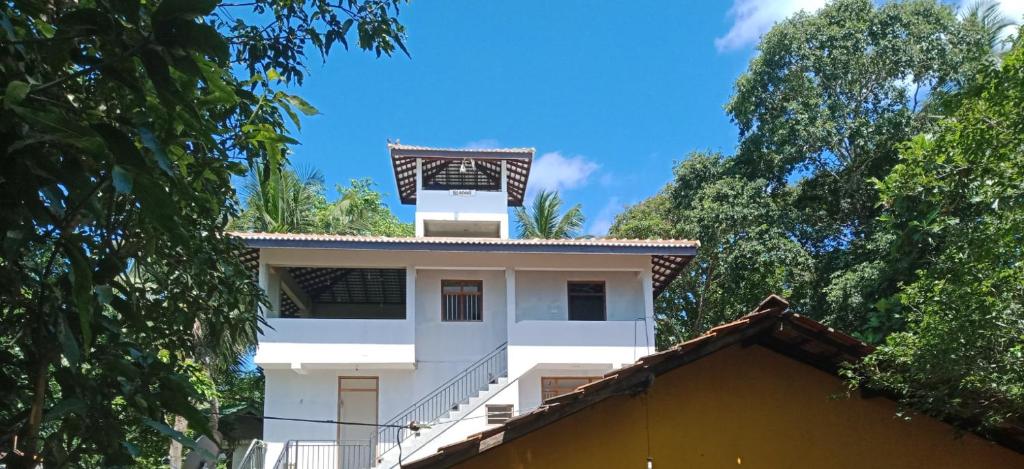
455, 329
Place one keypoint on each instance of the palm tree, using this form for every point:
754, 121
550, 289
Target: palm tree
282, 200
986, 14
543, 220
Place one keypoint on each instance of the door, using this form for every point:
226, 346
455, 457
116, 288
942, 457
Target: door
357, 403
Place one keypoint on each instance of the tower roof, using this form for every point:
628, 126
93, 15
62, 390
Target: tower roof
438, 162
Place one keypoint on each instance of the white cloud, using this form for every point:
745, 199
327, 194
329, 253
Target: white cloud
481, 144
752, 18
554, 172
604, 219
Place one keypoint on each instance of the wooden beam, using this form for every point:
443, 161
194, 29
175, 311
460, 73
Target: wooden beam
291, 288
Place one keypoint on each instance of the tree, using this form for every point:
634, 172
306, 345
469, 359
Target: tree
122, 127
956, 197
746, 252
282, 201
986, 15
822, 111
287, 202
543, 219
360, 210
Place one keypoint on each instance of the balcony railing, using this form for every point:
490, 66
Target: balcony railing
345, 454
445, 399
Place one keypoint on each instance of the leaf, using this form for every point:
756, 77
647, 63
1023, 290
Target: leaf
104, 294
69, 346
81, 289
202, 38
183, 9
16, 92
272, 75
150, 141
122, 180
122, 146
303, 106
64, 407
176, 436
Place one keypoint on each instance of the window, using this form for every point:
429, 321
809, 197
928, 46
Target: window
462, 300
498, 413
586, 301
556, 386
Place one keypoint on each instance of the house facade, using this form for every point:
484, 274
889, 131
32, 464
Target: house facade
415, 343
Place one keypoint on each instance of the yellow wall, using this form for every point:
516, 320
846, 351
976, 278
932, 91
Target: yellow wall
747, 408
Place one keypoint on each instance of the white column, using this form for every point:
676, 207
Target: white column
647, 286
270, 282
514, 368
410, 302
419, 191
510, 297
504, 228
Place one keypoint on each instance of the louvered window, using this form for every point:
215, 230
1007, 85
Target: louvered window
498, 413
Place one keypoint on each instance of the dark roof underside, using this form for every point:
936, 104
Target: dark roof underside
664, 269
443, 169
348, 286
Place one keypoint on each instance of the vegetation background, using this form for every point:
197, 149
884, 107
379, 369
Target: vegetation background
876, 184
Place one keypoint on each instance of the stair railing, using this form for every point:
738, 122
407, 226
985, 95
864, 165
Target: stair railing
254, 456
444, 399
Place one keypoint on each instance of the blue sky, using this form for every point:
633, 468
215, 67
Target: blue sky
610, 94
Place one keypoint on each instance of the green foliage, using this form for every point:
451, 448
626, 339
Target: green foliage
285, 201
122, 126
956, 197
822, 111
985, 14
745, 253
282, 201
544, 221
832, 121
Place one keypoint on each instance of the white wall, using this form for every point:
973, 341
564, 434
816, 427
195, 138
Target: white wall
543, 295
314, 395
471, 206
465, 342
312, 342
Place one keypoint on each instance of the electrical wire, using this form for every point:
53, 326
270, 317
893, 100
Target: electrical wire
411, 426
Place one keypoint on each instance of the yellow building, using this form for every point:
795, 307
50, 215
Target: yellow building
761, 392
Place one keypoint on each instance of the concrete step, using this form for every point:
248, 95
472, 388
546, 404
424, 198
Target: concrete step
426, 435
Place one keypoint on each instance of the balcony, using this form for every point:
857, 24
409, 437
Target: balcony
337, 318
557, 344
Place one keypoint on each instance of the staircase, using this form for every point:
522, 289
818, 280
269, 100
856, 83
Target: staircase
442, 408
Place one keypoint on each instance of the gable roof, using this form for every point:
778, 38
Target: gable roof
668, 256
771, 324
486, 160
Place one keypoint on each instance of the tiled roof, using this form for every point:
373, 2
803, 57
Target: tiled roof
668, 256
657, 243
436, 161
524, 151
770, 325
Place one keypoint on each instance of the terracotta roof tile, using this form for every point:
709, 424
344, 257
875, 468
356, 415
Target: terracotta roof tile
522, 150
819, 341
257, 236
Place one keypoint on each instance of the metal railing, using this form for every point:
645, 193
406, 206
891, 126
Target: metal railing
344, 454
444, 399
255, 456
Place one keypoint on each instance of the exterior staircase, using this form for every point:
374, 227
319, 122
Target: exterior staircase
442, 408
414, 443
